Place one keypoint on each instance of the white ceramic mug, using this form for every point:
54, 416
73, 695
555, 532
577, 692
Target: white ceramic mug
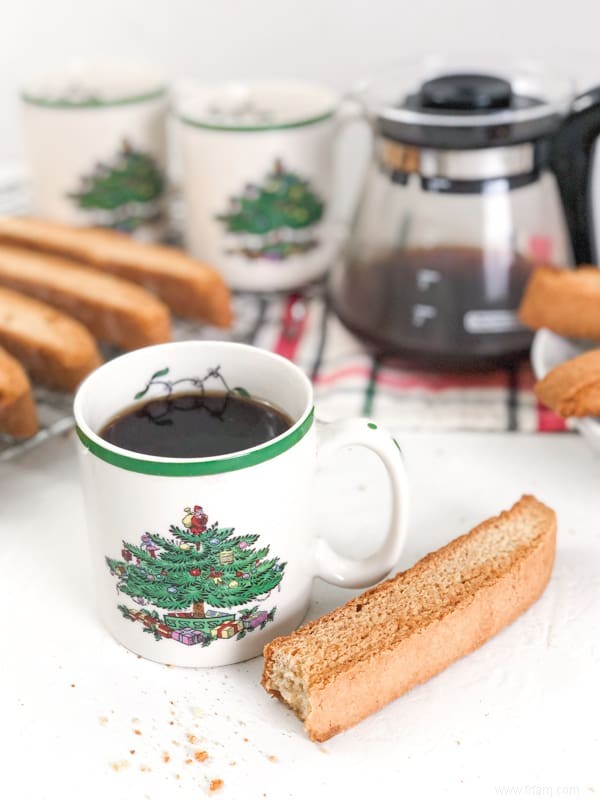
200, 562
95, 139
257, 177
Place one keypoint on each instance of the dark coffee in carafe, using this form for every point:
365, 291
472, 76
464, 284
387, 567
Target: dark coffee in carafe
453, 307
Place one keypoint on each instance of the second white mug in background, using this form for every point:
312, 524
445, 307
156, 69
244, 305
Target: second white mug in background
95, 139
257, 174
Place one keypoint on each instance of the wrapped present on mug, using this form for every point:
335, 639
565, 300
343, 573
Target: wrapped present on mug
255, 621
188, 636
215, 612
228, 629
226, 557
164, 630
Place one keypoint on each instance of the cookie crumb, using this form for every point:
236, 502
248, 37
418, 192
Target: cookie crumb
119, 765
215, 785
132, 752
145, 768
103, 720
137, 731
272, 758
192, 738
200, 755
166, 757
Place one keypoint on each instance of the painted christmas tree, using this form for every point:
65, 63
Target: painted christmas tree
201, 565
277, 211
125, 192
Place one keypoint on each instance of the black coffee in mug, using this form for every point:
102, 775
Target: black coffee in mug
194, 425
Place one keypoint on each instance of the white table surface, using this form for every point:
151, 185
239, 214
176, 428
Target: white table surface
520, 716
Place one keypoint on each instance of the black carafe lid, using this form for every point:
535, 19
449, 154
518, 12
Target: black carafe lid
465, 93
470, 109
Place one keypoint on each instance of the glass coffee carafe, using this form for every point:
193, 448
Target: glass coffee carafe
460, 203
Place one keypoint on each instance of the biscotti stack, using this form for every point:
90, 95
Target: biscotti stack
336, 670
568, 303
64, 289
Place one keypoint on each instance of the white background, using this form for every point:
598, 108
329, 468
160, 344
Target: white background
334, 41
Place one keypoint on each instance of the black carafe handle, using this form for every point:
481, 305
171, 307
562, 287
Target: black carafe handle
571, 158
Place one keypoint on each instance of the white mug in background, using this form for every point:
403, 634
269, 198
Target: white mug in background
200, 562
257, 176
95, 139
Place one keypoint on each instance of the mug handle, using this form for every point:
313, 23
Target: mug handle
356, 573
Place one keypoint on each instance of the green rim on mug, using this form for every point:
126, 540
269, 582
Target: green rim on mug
93, 102
280, 126
190, 467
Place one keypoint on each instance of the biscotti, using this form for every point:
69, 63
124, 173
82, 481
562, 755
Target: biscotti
573, 388
114, 310
338, 669
55, 349
18, 416
565, 301
189, 287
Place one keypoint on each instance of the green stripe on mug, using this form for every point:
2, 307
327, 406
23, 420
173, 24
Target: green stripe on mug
200, 467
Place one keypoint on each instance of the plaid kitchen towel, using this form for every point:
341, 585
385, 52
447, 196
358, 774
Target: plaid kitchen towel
349, 380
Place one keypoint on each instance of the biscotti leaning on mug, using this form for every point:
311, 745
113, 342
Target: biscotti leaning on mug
338, 669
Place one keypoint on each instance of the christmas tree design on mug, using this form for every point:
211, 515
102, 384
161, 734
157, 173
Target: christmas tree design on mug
200, 565
274, 220
124, 193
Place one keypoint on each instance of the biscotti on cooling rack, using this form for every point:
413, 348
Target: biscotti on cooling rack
56, 350
189, 287
114, 310
565, 301
336, 670
18, 416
